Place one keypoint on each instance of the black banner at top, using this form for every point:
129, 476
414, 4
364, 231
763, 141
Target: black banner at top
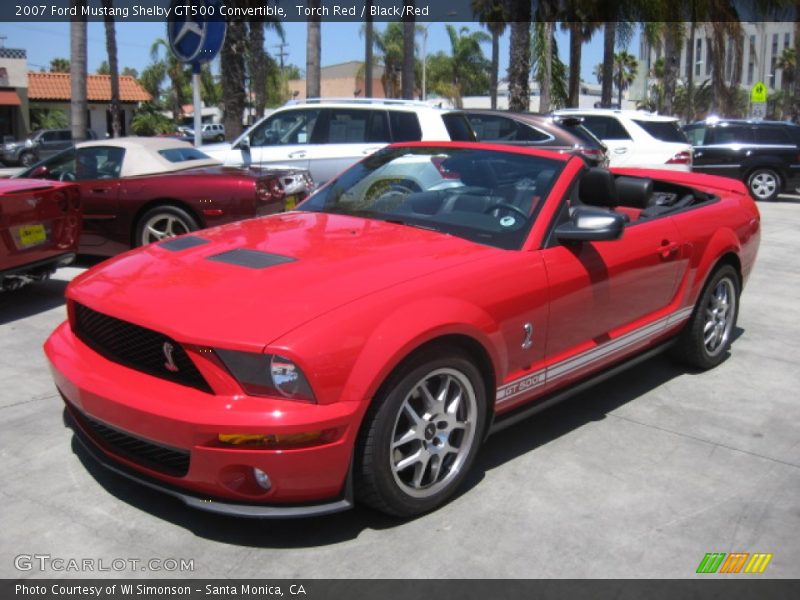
382, 10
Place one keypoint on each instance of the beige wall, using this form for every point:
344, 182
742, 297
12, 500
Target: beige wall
16, 71
338, 88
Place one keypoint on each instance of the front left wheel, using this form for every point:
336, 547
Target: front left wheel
764, 184
421, 434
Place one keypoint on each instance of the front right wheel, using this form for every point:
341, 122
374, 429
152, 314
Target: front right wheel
706, 338
421, 434
764, 184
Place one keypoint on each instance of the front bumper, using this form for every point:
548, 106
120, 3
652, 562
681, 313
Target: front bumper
168, 418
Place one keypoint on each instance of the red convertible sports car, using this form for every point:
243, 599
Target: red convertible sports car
363, 346
40, 223
140, 190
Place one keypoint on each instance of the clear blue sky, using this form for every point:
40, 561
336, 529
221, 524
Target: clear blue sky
340, 42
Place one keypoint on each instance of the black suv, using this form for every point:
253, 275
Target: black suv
763, 154
39, 145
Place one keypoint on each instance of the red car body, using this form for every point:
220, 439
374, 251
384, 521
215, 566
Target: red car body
40, 223
352, 300
116, 205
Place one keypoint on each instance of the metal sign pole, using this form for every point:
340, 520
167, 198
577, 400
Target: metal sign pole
198, 108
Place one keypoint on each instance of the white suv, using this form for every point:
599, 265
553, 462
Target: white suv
326, 136
638, 138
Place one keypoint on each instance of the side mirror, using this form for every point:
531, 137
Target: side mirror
592, 224
39, 172
244, 144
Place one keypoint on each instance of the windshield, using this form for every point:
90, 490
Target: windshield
488, 197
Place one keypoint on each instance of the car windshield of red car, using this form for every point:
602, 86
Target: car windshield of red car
485, 196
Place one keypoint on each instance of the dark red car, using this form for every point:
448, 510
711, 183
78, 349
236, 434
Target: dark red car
140, 190
363, 346
40, 223
558, 133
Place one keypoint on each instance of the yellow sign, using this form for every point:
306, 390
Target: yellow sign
30, 235
759, 93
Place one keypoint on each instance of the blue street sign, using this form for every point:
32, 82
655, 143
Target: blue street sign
196, 31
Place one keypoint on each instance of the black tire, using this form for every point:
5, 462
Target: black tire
26, 159
220, 138
693, 347
168, 220
764, 184
445, 442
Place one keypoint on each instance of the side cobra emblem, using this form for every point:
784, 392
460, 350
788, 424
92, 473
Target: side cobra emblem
168, 348
527, 343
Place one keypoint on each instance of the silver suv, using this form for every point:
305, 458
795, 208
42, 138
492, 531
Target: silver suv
326, 136
39, 145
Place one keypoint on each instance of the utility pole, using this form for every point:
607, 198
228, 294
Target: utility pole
282, 53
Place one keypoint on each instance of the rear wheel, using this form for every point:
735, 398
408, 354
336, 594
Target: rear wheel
26, 159
163, 222
421, 435
764, 184
707, 337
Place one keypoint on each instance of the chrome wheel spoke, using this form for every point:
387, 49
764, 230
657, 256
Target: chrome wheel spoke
409, 436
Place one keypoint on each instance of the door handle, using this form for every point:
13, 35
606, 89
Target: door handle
668, 250
297, 154
371, 150
698, 154
620, 150
100, 190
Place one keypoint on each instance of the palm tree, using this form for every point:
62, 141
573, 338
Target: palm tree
552, 81
607, 77
519, 63
625, 68
113, 68
466, 67
389, 44
787, 62
369, 42
580, 22
407, 78
795, 111
667, 36
313, 52
233, 75
257, 58
175, 71
492, 14
77, 69
59, 65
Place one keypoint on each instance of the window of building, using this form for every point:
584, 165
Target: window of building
787, 40
698, 55
709, 56
689, 55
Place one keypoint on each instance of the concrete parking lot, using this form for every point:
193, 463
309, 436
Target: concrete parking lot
638, 477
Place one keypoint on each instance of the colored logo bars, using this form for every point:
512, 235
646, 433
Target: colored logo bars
716, 562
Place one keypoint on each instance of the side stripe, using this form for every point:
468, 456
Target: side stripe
554, 372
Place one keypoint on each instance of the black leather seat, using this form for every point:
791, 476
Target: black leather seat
634, 192
597, 188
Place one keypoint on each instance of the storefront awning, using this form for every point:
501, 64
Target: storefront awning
9, 98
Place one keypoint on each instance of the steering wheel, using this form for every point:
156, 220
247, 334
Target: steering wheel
506, 206
66, 176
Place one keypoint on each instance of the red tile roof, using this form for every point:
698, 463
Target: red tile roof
56, 86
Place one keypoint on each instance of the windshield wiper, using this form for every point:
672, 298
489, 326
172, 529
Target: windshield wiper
411, 224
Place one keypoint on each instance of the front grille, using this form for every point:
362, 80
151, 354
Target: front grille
136, 347
159, 458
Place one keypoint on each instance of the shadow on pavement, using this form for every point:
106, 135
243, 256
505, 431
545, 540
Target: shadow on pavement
31, 299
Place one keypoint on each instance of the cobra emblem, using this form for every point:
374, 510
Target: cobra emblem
527, 343
168, 348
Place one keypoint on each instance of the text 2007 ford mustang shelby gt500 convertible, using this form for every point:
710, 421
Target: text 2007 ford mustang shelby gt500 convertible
363, 346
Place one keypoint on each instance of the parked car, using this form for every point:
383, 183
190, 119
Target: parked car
561, 134
140, 190
362, 347
763, 154
328, 136
210, 132
39, 145
40, 223
637, 138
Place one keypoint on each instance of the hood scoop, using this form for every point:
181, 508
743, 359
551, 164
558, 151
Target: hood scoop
183, 243
252, 259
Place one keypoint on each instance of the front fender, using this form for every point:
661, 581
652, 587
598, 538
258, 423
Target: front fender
414, 325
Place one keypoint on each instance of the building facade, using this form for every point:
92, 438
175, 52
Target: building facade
14, 121
762, 45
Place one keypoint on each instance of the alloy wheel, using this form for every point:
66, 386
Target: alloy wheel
719, 311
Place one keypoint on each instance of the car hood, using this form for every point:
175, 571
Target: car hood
302, 265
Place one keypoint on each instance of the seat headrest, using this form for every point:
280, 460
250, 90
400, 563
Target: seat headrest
473, 173
634, 192
597, 188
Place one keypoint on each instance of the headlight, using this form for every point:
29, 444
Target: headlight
267, 374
